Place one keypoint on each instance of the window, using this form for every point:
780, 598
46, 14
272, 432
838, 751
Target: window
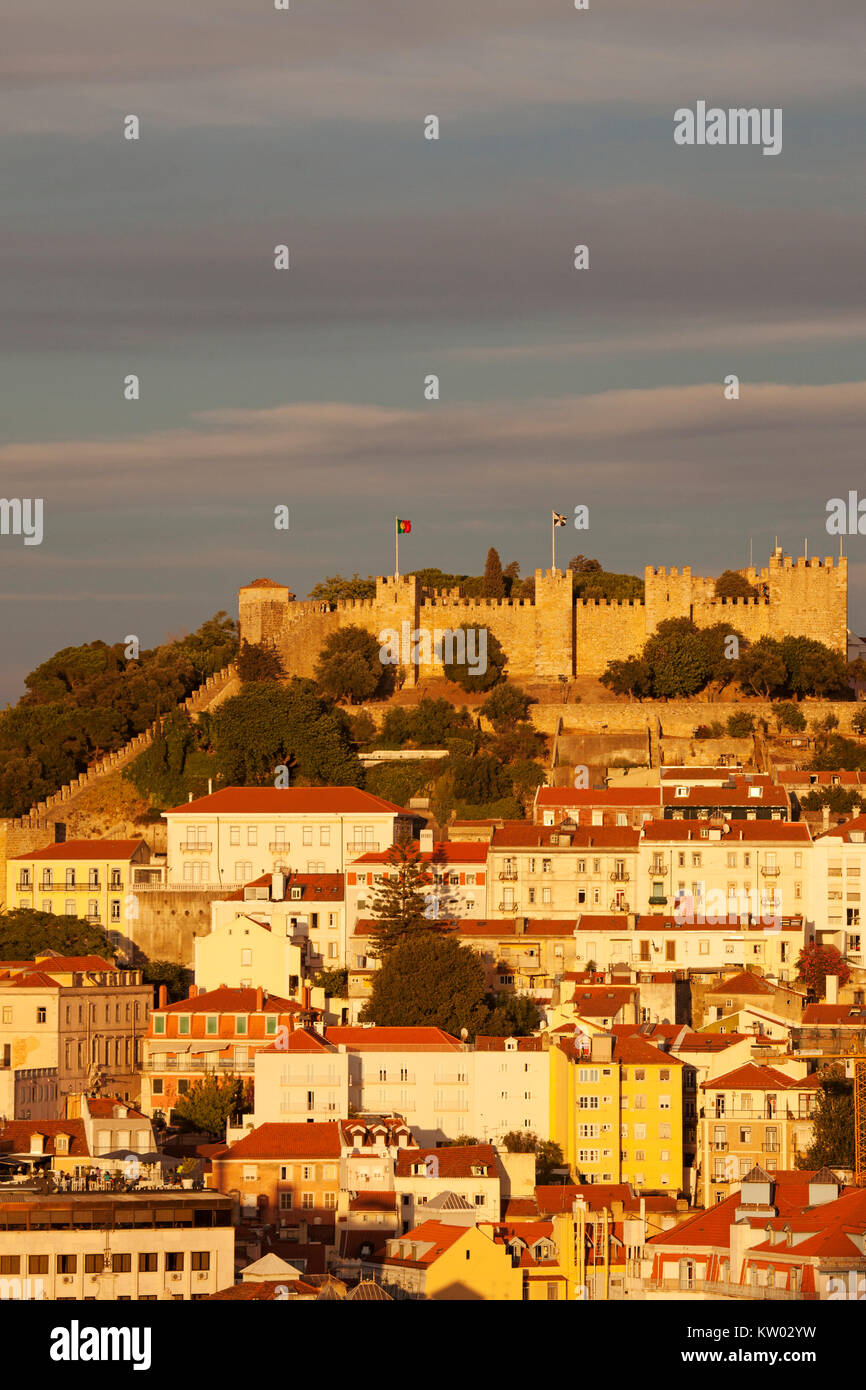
37, 1264
241, 1025
589, 1074
121, 1264
324, 834
41, 1015
159, 1023
201, 1259
67, 1264
246, 957
148, 1263
307, 834
252, 834
174, 1261
307, 1201
234, 834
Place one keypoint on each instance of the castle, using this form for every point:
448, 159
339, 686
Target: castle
553, 635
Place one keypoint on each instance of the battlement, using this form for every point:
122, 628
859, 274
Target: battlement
610, 603
463, 602
662, 572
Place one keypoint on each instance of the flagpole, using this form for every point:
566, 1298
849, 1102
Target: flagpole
396, 547
553, 538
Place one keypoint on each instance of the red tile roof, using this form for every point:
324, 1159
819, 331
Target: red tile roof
389, 1039
314, 887
521, 835
552, 1199
34, 979
85, 849
97, 964
287, 801
238, 1001
744, 982
831, 1015
302, 1040
277, 1141
454, 1160
757, 1077
843, 832
769, 831
444, 851
103, 1107
15, 1137
490, 1044
441, 1235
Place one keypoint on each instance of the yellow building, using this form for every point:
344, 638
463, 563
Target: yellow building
616, 1110
90, 879
449, 1262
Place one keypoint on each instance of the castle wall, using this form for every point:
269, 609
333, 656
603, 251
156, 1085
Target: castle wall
552, 636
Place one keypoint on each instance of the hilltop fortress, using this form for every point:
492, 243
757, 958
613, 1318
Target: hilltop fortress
554, 635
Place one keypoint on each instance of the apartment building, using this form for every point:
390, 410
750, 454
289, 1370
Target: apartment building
741, 796
716, 870
607, 806
510, 1087
617, 1111
837, 870
421, 1074
783, 1235
754, 1115
84, 1247
91, 879
285, 1175
66, 1021
447, 1259
236, 834
643, 941
469, 1171
273, 932
561, 871
457, 873
216, 1032
99, 1131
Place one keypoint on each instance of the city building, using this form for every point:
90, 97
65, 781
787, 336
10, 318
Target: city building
273, 933
92, 879
753, 1115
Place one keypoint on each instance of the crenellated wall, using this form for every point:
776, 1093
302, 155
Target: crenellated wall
552, 635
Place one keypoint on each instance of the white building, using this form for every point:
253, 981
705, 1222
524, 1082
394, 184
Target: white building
235, 835
838, 869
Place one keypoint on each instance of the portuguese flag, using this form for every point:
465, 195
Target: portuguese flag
403, 527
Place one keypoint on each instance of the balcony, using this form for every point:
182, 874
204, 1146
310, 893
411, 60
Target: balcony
361, 846
657, 870
506, 907
618, 907
720, 1145
619, 878
510, 875
454, 1079
279, 847
24, 887
204, 848
771, 871
657, 900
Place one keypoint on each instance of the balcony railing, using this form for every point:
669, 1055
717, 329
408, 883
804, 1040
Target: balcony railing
618, 907
279, 847
24, 886
204, 847
510, 875
770, 870
657, 870
619, 878
507, 907
362, 846
657, 899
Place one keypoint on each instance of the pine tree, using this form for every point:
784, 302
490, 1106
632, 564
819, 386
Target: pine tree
493, 583
399, 902
833, 1124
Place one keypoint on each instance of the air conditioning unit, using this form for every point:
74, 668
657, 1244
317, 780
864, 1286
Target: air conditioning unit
67, 1278
175, 1276
202, 1274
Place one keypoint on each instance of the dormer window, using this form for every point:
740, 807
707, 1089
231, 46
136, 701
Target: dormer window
682, 791
61, 1143
296, 893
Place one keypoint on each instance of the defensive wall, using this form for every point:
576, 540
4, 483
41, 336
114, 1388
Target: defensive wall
553, 635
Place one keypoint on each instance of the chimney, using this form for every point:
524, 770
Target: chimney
278, 887
425, 841
189, 798
825, 817
305, 996
163, 996
209, 786
260, 999
831, 989
193, 991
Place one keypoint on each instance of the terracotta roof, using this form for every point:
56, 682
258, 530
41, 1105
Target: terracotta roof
85, 849
521, 835
843, 832
740, 795
237, 1001
712, 1227
264, 1292
301, 1040
744, 982
769, 831
835, 1014
552, 1199
603, 1001
374, 1201
276, 1141
598, 797
455, 1160
81, 963
515, 1207
712, 774
803, 777
34, 979
314, 887
444, 851
286, 800
438, 1233
103, 1107
387, 1039
753, 1076
490, 1044
15, 1137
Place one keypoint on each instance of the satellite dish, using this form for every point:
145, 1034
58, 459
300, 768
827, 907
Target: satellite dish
464, 1033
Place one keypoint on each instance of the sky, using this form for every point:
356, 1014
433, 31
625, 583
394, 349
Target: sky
304, 388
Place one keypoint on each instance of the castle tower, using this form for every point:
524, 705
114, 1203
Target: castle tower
809, 598
398, 601
263, 610
554, 624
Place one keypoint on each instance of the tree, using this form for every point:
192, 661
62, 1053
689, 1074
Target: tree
433, 722
582, 565
428, 980
840, 754
732, 584
741, 724
257, 662
813, 668
841, 800
815, 963
630, 677
268, 726
832, 1123
858, 723
24, 933
512, 1016
493, 584
678, 658
336, 588
479, 778
604, 584
210, 1103
547, 1154
788, 716
761, 667
349, 666
462, 672
176, 978
335, 983
506, 706
399, 902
